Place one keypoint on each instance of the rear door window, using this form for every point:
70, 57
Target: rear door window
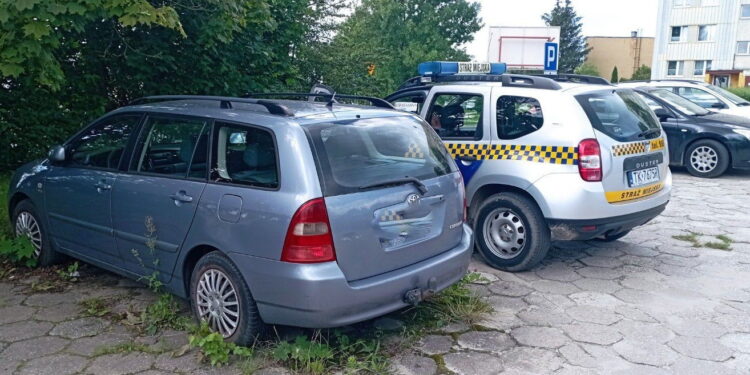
457, 116
244, 155
518, 116
174, 147
352, 155
620, 114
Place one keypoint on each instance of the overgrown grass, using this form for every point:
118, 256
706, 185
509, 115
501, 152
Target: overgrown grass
723, 243
126, 347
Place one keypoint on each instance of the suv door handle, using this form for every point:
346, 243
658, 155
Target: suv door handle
102, 186
181, 197
467, 158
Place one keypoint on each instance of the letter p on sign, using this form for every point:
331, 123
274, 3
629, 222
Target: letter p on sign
550, 58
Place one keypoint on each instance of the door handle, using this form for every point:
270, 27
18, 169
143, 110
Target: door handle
181, 197
467, 158
102, 186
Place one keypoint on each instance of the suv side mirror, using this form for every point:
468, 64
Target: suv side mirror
662, 114
57, 154
718, 105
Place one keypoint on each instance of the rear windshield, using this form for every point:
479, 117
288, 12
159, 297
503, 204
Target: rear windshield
620, 114
354, 154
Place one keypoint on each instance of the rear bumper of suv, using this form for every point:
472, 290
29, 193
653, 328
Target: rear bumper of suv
581, 230
319, 296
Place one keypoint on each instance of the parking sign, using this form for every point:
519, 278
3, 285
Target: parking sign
550, 58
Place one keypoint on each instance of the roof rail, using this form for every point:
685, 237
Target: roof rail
224, 102
576, 78
375, 102
508, 80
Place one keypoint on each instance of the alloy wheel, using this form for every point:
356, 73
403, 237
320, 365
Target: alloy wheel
26, 225
217, 302
704, 159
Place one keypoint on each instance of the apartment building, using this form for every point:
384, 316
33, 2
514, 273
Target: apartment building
625, 53
707, 40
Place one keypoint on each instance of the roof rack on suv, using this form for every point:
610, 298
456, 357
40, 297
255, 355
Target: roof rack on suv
375, 102
508, 80
577, 78
224, 102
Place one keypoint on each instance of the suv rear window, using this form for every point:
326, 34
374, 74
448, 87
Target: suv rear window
620, 114
357, 153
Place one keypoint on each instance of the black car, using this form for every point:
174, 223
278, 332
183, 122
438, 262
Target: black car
707, 143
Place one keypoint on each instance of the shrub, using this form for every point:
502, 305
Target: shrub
18, 250
743, 92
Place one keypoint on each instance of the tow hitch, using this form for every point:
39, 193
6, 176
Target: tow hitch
417, 295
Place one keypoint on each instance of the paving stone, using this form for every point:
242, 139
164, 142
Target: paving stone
636, 297
592, 333
737, 341
601, 261
120, 364
388, 324
434, 344
644, 332
645, 353
531, 361
172, 340
576, 356
592, 314
698, 328
473, 363
548, 301
598, 285
168, 362
12, 314
689, 366
23, 330
33, 348
633, 313
507, 303
414, 365
88, 346
595, 299
273, 371
509, 289
500, 320
83, 327
701, 348
599, 273
50, 299
557, 271
488, 341
543, 337
58, 313
58, 364
9, 367
454, 328
485, 278
554, 287
544, 317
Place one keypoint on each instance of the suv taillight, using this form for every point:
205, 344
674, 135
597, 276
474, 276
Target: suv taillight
590, 160
308, 239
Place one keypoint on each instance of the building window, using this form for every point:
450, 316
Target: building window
677, 33
681, 3
745, 13
701, 66
675, 68
706, 33
743, 48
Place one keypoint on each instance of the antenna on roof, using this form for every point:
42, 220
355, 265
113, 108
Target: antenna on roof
333, 100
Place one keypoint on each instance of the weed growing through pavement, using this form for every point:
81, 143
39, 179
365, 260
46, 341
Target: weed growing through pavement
95, 306
724, 242
125, 348
214, 349
69, 273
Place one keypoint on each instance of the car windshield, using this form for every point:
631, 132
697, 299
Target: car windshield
685, 106
620, 114
358, 154
727, 95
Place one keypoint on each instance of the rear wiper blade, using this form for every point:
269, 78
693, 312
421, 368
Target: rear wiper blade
648, 132
399, 181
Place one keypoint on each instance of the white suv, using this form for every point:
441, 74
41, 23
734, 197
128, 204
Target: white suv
543, 160
701, 93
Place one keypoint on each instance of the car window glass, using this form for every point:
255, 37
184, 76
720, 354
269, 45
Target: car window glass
698, 96
650, 102
169, 147
410, 103
103, 144
518, 116
244, 155
457, 116
620, 114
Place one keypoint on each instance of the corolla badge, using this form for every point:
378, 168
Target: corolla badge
412, 199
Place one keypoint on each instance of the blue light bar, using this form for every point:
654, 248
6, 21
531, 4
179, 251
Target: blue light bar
448, 68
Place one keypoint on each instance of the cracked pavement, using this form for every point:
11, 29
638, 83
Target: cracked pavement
646, 304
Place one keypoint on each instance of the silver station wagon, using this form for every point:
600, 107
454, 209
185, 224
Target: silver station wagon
259, 211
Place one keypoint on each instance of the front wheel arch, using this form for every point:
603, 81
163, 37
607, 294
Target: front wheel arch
489, 190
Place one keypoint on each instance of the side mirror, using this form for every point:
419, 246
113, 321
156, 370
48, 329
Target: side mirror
718, 105
57, 154
662, 114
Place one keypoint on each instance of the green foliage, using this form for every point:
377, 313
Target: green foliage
642, 73
69, 273
214, 348
615, 76
743, 92
588, 69
573, 50
19, 250
395, 36
163, 314
95, 306
124, 348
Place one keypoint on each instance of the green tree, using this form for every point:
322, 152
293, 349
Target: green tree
573, 50
615, 76
395, 36
642, 73
588, 69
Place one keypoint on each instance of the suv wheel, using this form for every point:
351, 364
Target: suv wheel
220, 297
707, 158
26, 222
511, 232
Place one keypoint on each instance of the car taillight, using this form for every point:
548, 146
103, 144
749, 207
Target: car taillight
308, 239
590, 160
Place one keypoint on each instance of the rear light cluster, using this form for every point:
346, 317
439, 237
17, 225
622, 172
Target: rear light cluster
590, 160
308, 239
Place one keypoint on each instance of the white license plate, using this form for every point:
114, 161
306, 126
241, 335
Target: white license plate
643, 177
473, 67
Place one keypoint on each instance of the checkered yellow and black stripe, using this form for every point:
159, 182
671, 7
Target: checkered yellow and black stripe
391, 215
539, 154
638, 147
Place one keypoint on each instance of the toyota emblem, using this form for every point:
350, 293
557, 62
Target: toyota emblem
412, 199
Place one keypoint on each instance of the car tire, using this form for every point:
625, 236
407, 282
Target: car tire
215, 270
707, 158
613, 237
511, 232
27, 222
